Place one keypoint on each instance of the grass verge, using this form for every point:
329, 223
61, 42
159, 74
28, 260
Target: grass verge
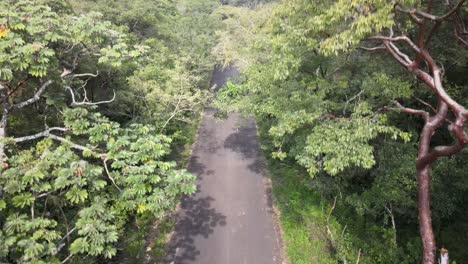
302, 216
302, 213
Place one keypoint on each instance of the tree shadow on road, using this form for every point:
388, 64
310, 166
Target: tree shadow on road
245, 142
198, 218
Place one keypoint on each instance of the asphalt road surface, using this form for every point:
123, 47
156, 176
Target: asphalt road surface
230, 219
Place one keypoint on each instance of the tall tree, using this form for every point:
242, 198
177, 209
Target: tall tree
410, 47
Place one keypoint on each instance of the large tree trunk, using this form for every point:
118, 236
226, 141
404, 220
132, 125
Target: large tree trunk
425, 218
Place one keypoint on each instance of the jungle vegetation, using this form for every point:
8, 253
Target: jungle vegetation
360, 107
367, 98
95, 97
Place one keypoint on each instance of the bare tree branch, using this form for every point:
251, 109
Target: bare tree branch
333, 242
76, 146
42, 134
424, 114
46, 133
85, 75
85, 102
396, 39
395, 54
67, 258
109, 175
429, 16
33, 99
401, 54
425, 103
350, 100
372, 48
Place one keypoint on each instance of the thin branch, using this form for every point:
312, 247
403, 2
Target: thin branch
395, 55
32, 210
401, 54
412, 111
425, 103
350, 100
396, 39
372, 48
442, 94
431, 16
392, 218
18, 86
85, 101
67, 258
109, 175
358, 256
85, 74
33, 99
328, 221
76, 146
42, 134
176, 109
461, 39
67, 226
410, 13
431, 32
44, 194
46, 133
68, 234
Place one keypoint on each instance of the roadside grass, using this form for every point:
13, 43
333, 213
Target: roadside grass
302, 213
311, 232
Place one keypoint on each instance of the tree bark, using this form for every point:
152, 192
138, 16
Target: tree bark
425, 216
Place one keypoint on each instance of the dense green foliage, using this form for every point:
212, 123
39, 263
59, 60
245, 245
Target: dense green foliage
328, 106
96, 95
98, 98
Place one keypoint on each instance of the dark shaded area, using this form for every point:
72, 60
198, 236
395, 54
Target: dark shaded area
243, 141
196, 168
221, 76
199, 218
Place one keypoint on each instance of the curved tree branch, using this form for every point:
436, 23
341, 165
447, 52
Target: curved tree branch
425, 115
85, 102
33, 99
46, 133
42, 134
425, 15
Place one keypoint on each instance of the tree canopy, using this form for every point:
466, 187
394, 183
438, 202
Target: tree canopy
333, 81
95, 95
366, 97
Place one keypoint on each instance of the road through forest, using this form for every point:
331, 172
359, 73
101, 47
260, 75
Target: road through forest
230, 219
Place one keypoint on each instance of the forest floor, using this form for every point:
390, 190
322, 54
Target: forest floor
231, 218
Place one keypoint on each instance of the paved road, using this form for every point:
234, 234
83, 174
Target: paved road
230, 219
